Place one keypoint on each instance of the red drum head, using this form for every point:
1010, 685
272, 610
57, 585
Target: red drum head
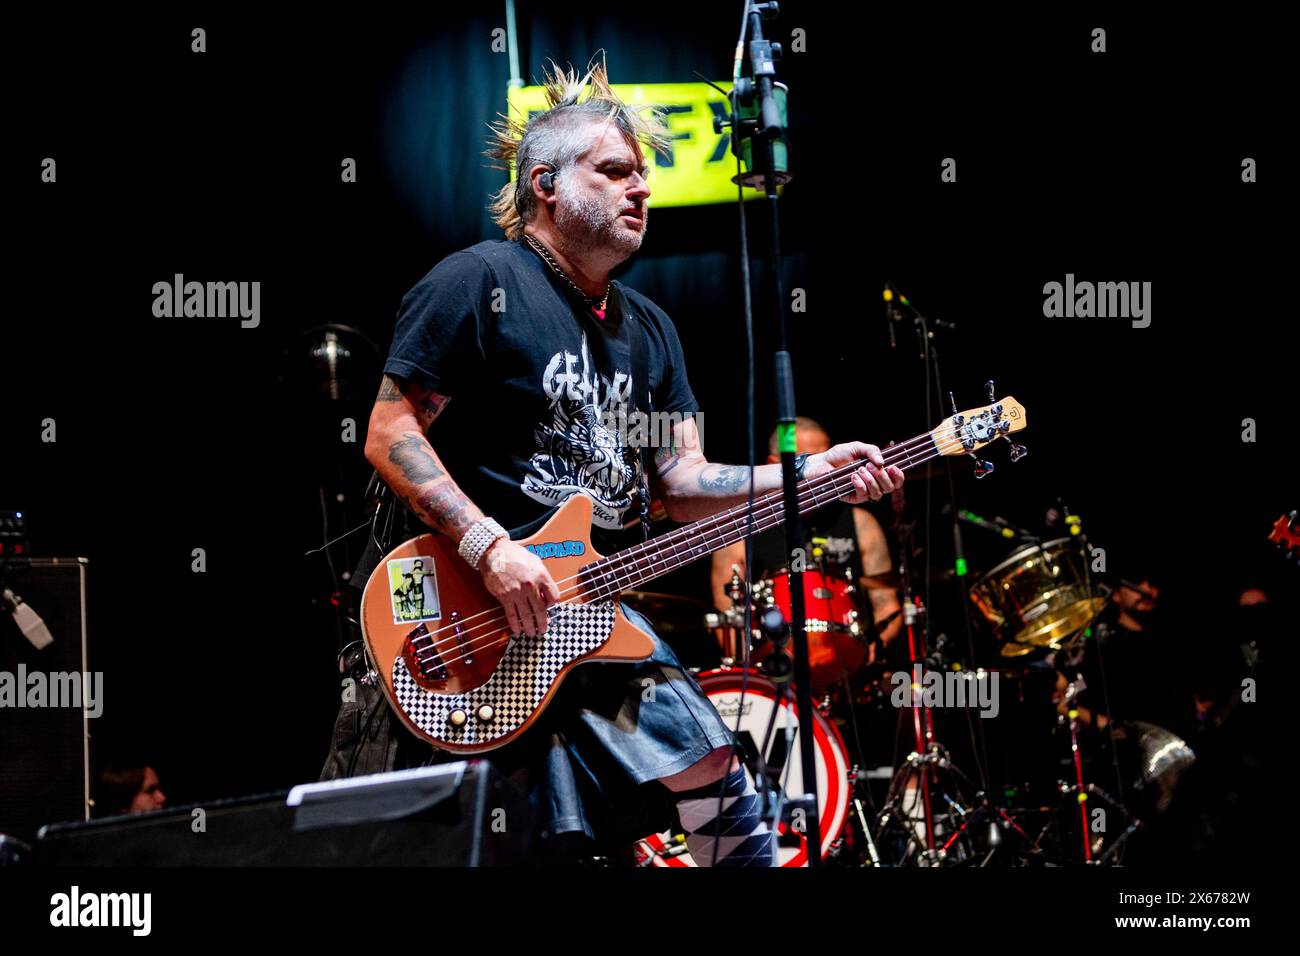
835, 649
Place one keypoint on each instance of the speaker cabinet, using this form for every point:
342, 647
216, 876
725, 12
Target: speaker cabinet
458, 814
44, 750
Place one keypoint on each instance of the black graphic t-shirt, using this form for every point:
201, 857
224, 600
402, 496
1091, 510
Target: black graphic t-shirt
533, 376
832, 524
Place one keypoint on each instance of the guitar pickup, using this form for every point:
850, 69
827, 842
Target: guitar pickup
420, 651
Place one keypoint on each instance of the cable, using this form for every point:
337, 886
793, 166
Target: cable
746, 635
749, 514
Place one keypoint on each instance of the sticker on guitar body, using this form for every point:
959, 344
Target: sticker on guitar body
413, 590
557, 549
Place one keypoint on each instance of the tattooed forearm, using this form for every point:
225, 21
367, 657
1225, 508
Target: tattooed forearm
424, 403
389, 391
446, 508
726, 478
429, 406
404, 459
666, 459
410, 454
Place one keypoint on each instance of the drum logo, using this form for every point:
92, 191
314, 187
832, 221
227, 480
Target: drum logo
730, 706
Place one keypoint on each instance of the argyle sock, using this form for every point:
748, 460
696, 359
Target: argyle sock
740, 833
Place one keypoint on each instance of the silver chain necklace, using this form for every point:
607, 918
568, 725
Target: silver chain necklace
542, 251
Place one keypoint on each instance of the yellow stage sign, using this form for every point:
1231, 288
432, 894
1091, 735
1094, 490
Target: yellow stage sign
700, 167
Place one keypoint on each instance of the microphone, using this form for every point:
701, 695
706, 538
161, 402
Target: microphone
997, 525
891, 293
29, 622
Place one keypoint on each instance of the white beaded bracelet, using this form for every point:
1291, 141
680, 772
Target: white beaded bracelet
476, 541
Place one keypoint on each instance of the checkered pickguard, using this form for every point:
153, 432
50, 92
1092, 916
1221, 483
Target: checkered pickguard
521, 680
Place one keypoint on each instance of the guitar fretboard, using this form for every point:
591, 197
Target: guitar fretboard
639, 564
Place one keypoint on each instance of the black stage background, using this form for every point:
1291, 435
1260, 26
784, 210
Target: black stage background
179, 434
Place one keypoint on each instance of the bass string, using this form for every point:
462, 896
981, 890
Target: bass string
771, 519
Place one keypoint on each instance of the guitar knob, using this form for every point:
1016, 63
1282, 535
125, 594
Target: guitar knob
983, 468
457, 718
1018, 452
486, 713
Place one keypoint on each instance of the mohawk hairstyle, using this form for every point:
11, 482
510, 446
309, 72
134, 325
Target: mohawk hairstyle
557, 136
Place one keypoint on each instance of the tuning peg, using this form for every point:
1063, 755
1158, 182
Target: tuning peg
982, 467
957, 419
1018, 452
988, 387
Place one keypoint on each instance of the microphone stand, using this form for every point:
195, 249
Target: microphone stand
926, 329
764, 131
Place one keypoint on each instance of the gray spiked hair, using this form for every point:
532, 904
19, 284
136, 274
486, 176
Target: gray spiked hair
558, 136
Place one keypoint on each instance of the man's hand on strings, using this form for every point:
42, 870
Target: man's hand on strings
872, 480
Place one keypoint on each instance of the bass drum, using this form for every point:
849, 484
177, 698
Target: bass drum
722, 687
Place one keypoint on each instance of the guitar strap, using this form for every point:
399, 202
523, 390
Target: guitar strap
642, 398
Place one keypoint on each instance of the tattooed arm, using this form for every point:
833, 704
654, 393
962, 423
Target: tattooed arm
873, 550
397, 447
693, 487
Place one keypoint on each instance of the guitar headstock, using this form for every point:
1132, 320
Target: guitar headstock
971, 429
1286, 535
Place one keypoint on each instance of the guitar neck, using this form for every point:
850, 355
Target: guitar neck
637, 565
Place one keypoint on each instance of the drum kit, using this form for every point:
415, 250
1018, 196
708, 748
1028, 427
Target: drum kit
1039, 597
1037, 600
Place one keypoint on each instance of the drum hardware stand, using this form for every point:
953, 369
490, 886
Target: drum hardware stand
873, 854
777, 666
893, 811
1072, 791
922, 719
928, 754
1081, 790
1134, 824
999, 819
